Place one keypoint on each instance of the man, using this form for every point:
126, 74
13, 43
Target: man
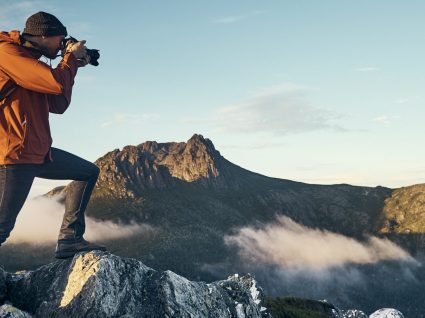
29, 90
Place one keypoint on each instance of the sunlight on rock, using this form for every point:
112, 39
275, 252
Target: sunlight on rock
84, 267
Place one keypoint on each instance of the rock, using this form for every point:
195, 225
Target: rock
245, 294
8, 311
99, 284
127, 173
386, 313
353, 313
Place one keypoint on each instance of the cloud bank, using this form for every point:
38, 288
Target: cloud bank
40, 219
289, 245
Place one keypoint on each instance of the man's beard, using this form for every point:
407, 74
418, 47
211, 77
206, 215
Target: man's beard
51, 55
47, 52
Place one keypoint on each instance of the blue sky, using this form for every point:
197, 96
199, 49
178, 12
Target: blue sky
315, 91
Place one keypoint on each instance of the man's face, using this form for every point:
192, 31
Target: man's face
51, 45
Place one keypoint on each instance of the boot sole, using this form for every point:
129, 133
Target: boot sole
68, 254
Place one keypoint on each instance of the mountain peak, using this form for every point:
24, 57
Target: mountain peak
199, 142
159, 165
196, 138
199, 139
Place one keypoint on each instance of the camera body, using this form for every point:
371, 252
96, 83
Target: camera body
94, 54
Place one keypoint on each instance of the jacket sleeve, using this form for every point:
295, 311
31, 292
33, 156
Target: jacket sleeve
58, 104
37, 76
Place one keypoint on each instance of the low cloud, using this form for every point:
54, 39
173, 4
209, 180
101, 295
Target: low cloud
385, 119
291, 259
289, 245
402, 101
40, 219
367, 69
280, 110
236, 18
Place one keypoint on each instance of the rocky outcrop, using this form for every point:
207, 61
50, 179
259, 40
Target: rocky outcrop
152, 165
386, 313
403, 218
352, 313
188, 161
99, 284
404, 211
9, 311
381, 313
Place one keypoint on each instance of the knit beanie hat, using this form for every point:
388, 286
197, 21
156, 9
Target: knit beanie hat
42, 23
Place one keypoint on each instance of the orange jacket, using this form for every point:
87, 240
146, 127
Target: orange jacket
24, 115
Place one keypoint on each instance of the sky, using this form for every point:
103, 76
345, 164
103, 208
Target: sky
322, 92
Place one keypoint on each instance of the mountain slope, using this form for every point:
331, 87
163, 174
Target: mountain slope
193, 197
141, 173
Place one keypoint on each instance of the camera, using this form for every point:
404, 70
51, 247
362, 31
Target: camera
94, 54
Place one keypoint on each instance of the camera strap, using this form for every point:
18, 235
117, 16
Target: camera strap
7, 89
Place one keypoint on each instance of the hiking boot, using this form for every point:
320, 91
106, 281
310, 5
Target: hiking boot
65, 249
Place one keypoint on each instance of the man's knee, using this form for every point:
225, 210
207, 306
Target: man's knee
92, 173
95, 171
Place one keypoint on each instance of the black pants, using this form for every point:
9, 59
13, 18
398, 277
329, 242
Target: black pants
16, 181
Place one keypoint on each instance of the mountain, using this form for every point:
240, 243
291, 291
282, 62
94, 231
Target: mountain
195, 175
192, 198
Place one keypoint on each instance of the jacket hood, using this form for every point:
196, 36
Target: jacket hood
12, 37
16, 38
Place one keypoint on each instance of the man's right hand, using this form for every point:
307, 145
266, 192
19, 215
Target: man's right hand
80, 52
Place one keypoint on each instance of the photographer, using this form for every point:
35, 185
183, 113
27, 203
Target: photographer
29, 90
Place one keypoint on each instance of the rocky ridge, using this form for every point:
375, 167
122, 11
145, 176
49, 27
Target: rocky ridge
99, 284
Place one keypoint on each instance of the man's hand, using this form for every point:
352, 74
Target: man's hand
80, 52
